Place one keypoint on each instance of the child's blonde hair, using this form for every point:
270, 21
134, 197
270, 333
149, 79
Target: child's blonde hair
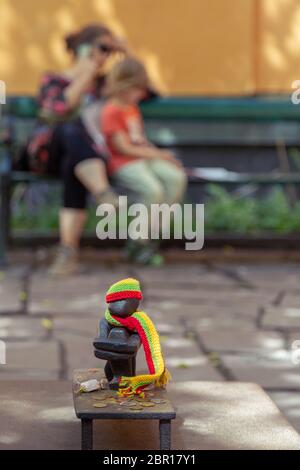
126, 74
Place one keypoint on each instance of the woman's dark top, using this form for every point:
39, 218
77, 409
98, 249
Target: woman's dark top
47, 145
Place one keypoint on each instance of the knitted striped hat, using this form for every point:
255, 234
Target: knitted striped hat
125, 289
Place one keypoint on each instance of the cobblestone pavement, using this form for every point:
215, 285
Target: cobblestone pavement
217, 322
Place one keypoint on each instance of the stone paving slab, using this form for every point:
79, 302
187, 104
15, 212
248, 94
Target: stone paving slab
275, 371
184, 360
291, 299
289, 405
80, 327
21, 257
293, 336
239, 309
199, 370
75, 337
241, 300
168, 310
231, 415
231, 299
237, 336
15, 271
27, 374
171, 272
216, 319
79, 352
209, 416
11, 290
188, 283
190, 277
286, 318
79, 295
34, 358
271, 280
22, 327
268, 275
176, 310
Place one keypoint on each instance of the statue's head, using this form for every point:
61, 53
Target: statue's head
123, 297
123, 308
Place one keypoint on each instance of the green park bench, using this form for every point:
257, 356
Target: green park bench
187, 124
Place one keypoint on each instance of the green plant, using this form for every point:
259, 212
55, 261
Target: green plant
294, 154
224, 212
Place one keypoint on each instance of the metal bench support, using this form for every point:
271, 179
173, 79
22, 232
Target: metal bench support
165, 434
4, 217
87, 434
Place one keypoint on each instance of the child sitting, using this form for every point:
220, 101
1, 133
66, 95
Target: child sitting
153, 174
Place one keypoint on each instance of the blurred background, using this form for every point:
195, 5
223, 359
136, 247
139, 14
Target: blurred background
225, 78
191, 48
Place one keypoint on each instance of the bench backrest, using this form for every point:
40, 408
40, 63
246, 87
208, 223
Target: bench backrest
195, 121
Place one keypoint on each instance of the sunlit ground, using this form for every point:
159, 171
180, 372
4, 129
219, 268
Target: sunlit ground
223, 324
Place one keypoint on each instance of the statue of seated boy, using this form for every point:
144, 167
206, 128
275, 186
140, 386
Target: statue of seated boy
122, 331
117, 345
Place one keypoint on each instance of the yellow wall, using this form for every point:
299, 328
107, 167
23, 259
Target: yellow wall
278, 57
191, 47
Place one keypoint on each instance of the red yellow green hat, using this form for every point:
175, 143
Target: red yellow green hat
125, 289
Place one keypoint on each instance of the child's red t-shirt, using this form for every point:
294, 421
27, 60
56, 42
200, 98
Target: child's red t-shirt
128, 119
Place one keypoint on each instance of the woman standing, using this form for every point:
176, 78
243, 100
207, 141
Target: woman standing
67, 144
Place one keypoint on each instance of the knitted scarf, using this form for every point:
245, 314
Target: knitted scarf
158, 374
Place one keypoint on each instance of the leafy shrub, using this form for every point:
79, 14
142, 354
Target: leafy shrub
37, 209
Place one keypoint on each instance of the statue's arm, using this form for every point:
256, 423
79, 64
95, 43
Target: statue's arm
104, 329
134, 340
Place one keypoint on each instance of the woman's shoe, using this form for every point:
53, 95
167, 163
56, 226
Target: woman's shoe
66, 262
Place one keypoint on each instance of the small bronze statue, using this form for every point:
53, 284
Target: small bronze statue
121, 333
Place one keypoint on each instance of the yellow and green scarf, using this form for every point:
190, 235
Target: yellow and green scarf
158, 374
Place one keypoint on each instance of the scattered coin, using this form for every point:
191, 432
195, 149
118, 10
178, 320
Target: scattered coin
158, 400
124, 400
136, 408
147, 403
111, 401
99, 405
128, 403
109, 396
